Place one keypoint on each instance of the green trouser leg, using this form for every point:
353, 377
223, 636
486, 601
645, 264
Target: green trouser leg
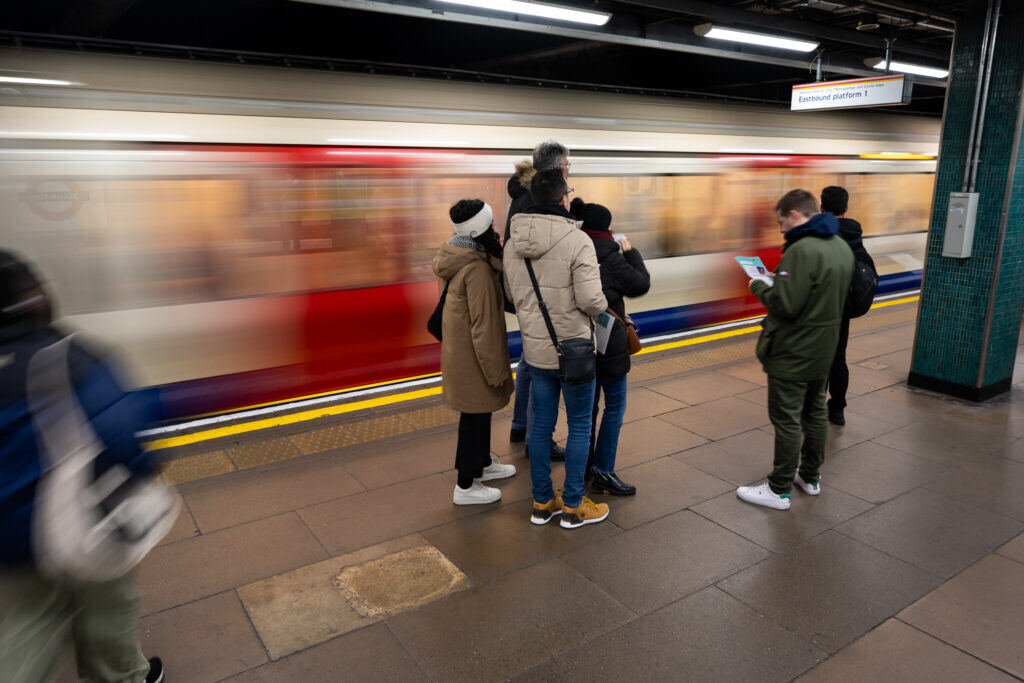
40, 614
798, 413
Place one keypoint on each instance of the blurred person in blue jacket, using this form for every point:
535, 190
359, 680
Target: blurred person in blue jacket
40, 615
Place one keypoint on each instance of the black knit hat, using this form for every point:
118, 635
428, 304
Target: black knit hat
594, 216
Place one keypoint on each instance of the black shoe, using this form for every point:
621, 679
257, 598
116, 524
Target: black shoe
517, 435
156, 671
557, 453
836, 417
610, 483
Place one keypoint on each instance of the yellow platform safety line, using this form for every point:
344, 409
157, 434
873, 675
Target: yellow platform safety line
303, 416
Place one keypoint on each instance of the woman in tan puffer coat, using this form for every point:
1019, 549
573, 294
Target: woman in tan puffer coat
475, 373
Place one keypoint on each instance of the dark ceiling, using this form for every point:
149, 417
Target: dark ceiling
392, 43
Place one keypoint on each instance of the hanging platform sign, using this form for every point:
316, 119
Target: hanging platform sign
879, 91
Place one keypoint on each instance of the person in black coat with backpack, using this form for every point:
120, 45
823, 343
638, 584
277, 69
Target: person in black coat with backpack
622, 274
835, 200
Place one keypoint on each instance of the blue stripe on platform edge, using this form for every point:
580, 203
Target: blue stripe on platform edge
682, 318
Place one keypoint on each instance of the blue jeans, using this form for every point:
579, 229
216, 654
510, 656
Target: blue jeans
611, 422
579, 402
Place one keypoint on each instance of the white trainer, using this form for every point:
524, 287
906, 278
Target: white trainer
477, 494
497, 471
810, 489
763, 495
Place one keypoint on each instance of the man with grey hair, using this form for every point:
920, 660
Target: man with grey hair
546, 155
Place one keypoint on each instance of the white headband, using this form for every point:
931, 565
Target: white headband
477, 225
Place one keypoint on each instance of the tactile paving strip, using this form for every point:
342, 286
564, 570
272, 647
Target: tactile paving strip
196, 467
379, 427
262, 453
434, 416
324, 440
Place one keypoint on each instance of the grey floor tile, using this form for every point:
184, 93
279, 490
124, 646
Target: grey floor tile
751, 371
650, 439
367, 518
781, 529
902, 654
994, 484
643, 402
899, 405
1014, 549
877, 344
203, 641
898, 361
978, 612
708, 636
931, 531
877, 473
830, 589
865, 378
757, 397
858, 429
740, 459
664, 486
490, 545
212, 563
266, 491
664, 560
500, 444
509, 625
702, 387
720, 418
372, 653
184, 527
404, 460
948, 439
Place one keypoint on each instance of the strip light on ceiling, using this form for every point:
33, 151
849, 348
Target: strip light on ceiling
903, 67
21, 80
538, 9
751, 38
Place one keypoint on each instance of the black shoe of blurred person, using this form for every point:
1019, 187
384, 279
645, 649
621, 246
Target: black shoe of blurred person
517, 435
156, 671
557, 452
836, 417
610, 483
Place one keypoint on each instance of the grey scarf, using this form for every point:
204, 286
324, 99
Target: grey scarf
466, 243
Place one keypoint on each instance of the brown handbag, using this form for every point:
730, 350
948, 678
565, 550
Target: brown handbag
632, 338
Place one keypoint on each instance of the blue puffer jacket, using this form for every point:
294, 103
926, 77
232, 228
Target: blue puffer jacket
115, 416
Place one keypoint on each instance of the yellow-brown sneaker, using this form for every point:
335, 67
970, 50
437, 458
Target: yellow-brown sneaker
545, 512
587, 512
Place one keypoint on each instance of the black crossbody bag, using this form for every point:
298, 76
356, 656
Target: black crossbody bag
577, 358
435, 323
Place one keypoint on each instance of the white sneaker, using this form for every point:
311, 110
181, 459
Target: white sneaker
810, 489
497, 471
763, 495
477, 494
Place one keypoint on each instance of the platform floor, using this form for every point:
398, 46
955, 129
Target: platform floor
333, 552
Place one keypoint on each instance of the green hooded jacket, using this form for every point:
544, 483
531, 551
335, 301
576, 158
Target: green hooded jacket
805, 305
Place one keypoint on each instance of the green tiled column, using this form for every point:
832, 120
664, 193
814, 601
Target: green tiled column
970, 312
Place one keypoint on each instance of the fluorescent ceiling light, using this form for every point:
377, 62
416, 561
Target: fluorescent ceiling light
538, 9
398, 143
86, 135
903, 67
33, 81
751, 38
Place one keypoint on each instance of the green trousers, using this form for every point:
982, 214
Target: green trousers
798, 413
42, 617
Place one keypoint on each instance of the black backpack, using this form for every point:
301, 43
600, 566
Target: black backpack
863, 285
434, 324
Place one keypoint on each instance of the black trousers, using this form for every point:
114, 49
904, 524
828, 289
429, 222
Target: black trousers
839, 374
473, 453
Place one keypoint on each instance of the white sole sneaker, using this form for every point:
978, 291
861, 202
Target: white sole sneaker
763, 495
498, 471
810, 489
477, 494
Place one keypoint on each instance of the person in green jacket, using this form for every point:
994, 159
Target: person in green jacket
798, 342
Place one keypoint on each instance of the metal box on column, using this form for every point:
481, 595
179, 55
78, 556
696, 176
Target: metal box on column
963, 209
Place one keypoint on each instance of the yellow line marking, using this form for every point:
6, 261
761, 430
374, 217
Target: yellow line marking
292, 418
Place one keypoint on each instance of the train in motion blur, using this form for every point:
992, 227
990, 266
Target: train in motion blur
249, 234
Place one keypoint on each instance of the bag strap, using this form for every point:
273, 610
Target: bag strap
617, 317
543, 307
60, 423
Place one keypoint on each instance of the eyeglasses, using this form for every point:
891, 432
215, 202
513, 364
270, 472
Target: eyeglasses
569, 191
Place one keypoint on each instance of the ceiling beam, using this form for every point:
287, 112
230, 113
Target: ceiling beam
623, 30
772, 22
